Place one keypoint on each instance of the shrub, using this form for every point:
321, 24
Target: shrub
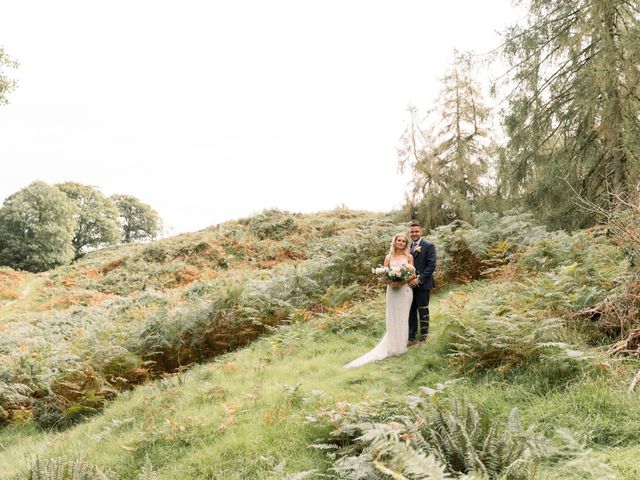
13, 396
48, 416
525, 321
9, 280
466, 252
509, 342
271, 224
205, 330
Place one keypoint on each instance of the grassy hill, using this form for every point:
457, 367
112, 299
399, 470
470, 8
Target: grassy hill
219, 354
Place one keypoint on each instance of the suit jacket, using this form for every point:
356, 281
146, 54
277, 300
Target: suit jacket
425, 263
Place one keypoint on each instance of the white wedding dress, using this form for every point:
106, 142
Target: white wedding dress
395, 339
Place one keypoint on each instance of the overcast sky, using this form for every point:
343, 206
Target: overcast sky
213, 110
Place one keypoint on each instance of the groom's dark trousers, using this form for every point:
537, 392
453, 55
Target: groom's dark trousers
419, 314
424, 259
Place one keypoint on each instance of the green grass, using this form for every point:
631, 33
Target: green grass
238, 417
243, 416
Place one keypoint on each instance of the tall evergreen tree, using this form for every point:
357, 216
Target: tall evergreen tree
6, 84
37, 225
574, 104
450, 157
96, 217
138, 220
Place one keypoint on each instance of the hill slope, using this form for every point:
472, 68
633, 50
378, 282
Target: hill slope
527, 336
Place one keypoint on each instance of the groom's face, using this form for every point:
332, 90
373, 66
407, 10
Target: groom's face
415, 233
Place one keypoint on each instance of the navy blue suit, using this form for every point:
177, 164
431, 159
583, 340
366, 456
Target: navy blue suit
424, 260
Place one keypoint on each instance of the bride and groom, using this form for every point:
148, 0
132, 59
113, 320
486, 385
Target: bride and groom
407, 314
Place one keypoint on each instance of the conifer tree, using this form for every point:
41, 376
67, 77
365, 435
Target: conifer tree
449, 157
574, 104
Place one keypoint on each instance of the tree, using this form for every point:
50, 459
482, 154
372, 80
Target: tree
451, 157
36, 228
573, 110
6, 84
96, 217
138, 220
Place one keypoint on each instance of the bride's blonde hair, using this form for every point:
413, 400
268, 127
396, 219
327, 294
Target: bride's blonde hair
393, 243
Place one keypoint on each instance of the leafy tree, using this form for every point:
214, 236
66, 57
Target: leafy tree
37, 225
449, 158
6, 84
573, 110
96, 217
138, 220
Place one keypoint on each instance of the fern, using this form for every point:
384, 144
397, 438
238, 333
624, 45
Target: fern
423, 440
580, 461
64, 469
300, 475
147, 472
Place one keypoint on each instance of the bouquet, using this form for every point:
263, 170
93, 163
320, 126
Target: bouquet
395, 276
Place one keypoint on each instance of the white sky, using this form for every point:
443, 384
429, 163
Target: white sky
213, 110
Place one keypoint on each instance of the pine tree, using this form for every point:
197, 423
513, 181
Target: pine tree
573, 105
451, 158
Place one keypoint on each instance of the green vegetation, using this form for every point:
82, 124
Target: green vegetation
44, 226
6, 84
120, 316
573, 106
138, 220
565, 120
219, 354
36, 228
450, 157
278, 303
96, 217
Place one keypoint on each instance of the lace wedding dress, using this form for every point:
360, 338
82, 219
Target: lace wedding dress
395, 339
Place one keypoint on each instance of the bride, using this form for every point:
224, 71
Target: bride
399, 298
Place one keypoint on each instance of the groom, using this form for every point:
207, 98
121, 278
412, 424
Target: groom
424, 259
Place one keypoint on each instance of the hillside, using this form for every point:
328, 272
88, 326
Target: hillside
271, 307
78, 335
